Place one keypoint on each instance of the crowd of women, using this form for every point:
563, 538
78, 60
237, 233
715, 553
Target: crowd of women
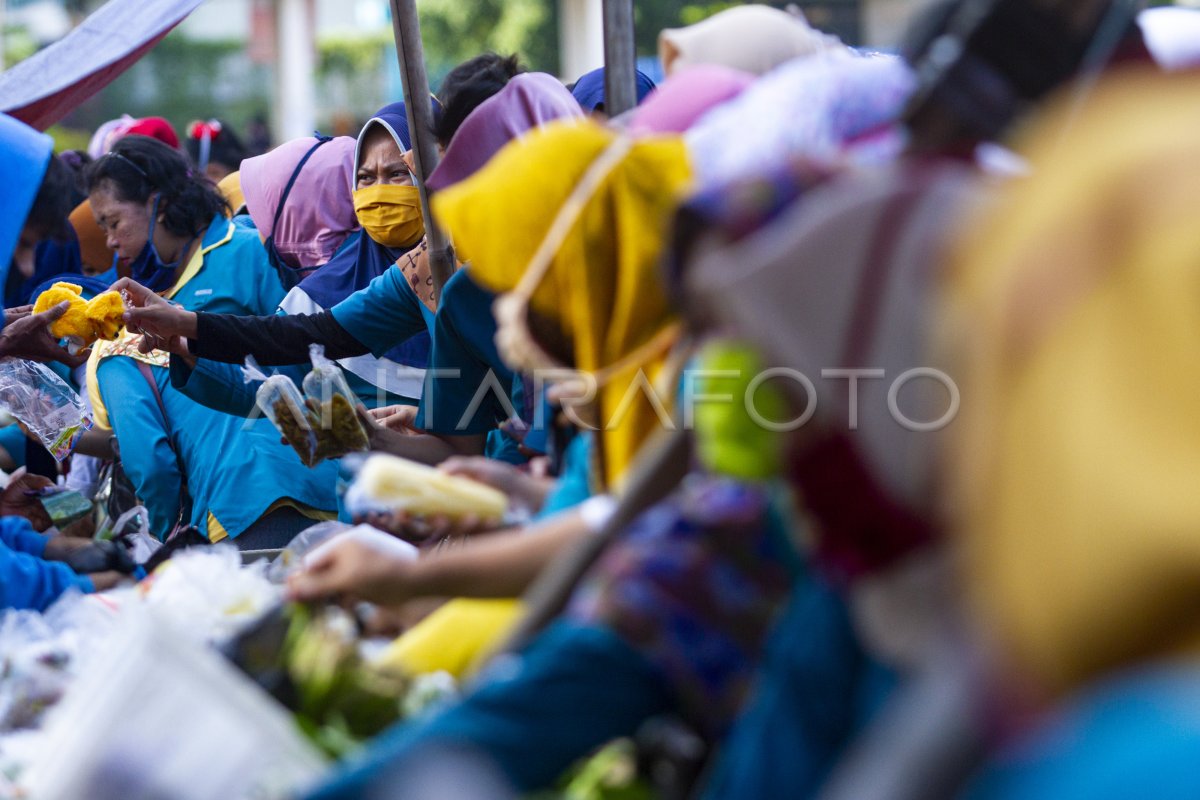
863, 378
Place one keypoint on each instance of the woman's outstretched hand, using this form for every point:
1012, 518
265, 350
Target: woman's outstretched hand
162, 324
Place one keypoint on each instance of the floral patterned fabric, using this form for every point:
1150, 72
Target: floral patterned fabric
694, 585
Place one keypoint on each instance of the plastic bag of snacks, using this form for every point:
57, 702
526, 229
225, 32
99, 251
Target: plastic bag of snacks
282, 403
119, 726
44, 403
390, 484
319, 424
331, 406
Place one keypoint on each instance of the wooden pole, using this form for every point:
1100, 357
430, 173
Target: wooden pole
419, 105
620, 58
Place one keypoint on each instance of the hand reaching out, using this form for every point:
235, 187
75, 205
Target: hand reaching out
27, 335
20, 498
396, 418
356, 567
164, 326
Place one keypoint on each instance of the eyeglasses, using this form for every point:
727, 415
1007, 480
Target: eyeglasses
136, 168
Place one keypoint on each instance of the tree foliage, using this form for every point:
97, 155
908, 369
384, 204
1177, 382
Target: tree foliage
453, 31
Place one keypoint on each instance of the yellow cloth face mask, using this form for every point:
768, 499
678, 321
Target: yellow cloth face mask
390, 214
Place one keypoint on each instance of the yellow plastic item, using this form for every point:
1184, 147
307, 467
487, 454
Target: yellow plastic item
85, 321
403, 485
454, 639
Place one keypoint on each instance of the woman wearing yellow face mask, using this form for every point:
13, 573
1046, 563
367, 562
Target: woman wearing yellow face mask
371, 305
386, 202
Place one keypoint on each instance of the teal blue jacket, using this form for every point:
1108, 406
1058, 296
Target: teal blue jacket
383, 315
236, 469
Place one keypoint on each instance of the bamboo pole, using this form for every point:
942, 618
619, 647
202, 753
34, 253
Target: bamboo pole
620, 58
419, 105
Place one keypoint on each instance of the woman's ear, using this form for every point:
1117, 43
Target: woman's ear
150, 210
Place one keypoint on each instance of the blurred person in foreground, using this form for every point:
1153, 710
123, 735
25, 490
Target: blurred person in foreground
36, 569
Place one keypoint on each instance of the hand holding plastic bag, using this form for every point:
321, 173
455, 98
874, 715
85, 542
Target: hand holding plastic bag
281, 402
319, 424
331, 403
388, 483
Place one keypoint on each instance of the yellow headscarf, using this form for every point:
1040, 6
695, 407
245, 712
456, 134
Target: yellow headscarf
230, 188
603, 287
1080, 449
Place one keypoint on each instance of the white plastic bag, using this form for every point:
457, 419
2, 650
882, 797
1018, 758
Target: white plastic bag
155, 714
44, 403
39, 654
209, 594
132, 530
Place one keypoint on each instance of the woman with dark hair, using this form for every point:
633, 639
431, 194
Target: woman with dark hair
190, 464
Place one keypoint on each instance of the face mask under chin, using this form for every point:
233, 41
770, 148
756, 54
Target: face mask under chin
148, 268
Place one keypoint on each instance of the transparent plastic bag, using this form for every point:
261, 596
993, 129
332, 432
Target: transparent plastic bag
331, 406
119, 726
389, 484
292, 557
322, 422
209, 594
132, 531
39, 655
315, 541
45, 405
281, 402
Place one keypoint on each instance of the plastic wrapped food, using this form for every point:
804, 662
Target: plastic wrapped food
45, 405
331, 406
281, 402
389, 483
102, 317
319, 424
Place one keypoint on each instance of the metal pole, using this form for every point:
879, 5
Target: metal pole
419, 105
620, 58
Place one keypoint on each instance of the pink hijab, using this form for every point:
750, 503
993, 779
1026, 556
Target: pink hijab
319, 212
685, 97
527, 102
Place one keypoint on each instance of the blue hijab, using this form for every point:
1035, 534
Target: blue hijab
356, 264
24, 154
589, 90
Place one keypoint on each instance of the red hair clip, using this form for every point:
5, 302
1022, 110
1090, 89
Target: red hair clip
201, 129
